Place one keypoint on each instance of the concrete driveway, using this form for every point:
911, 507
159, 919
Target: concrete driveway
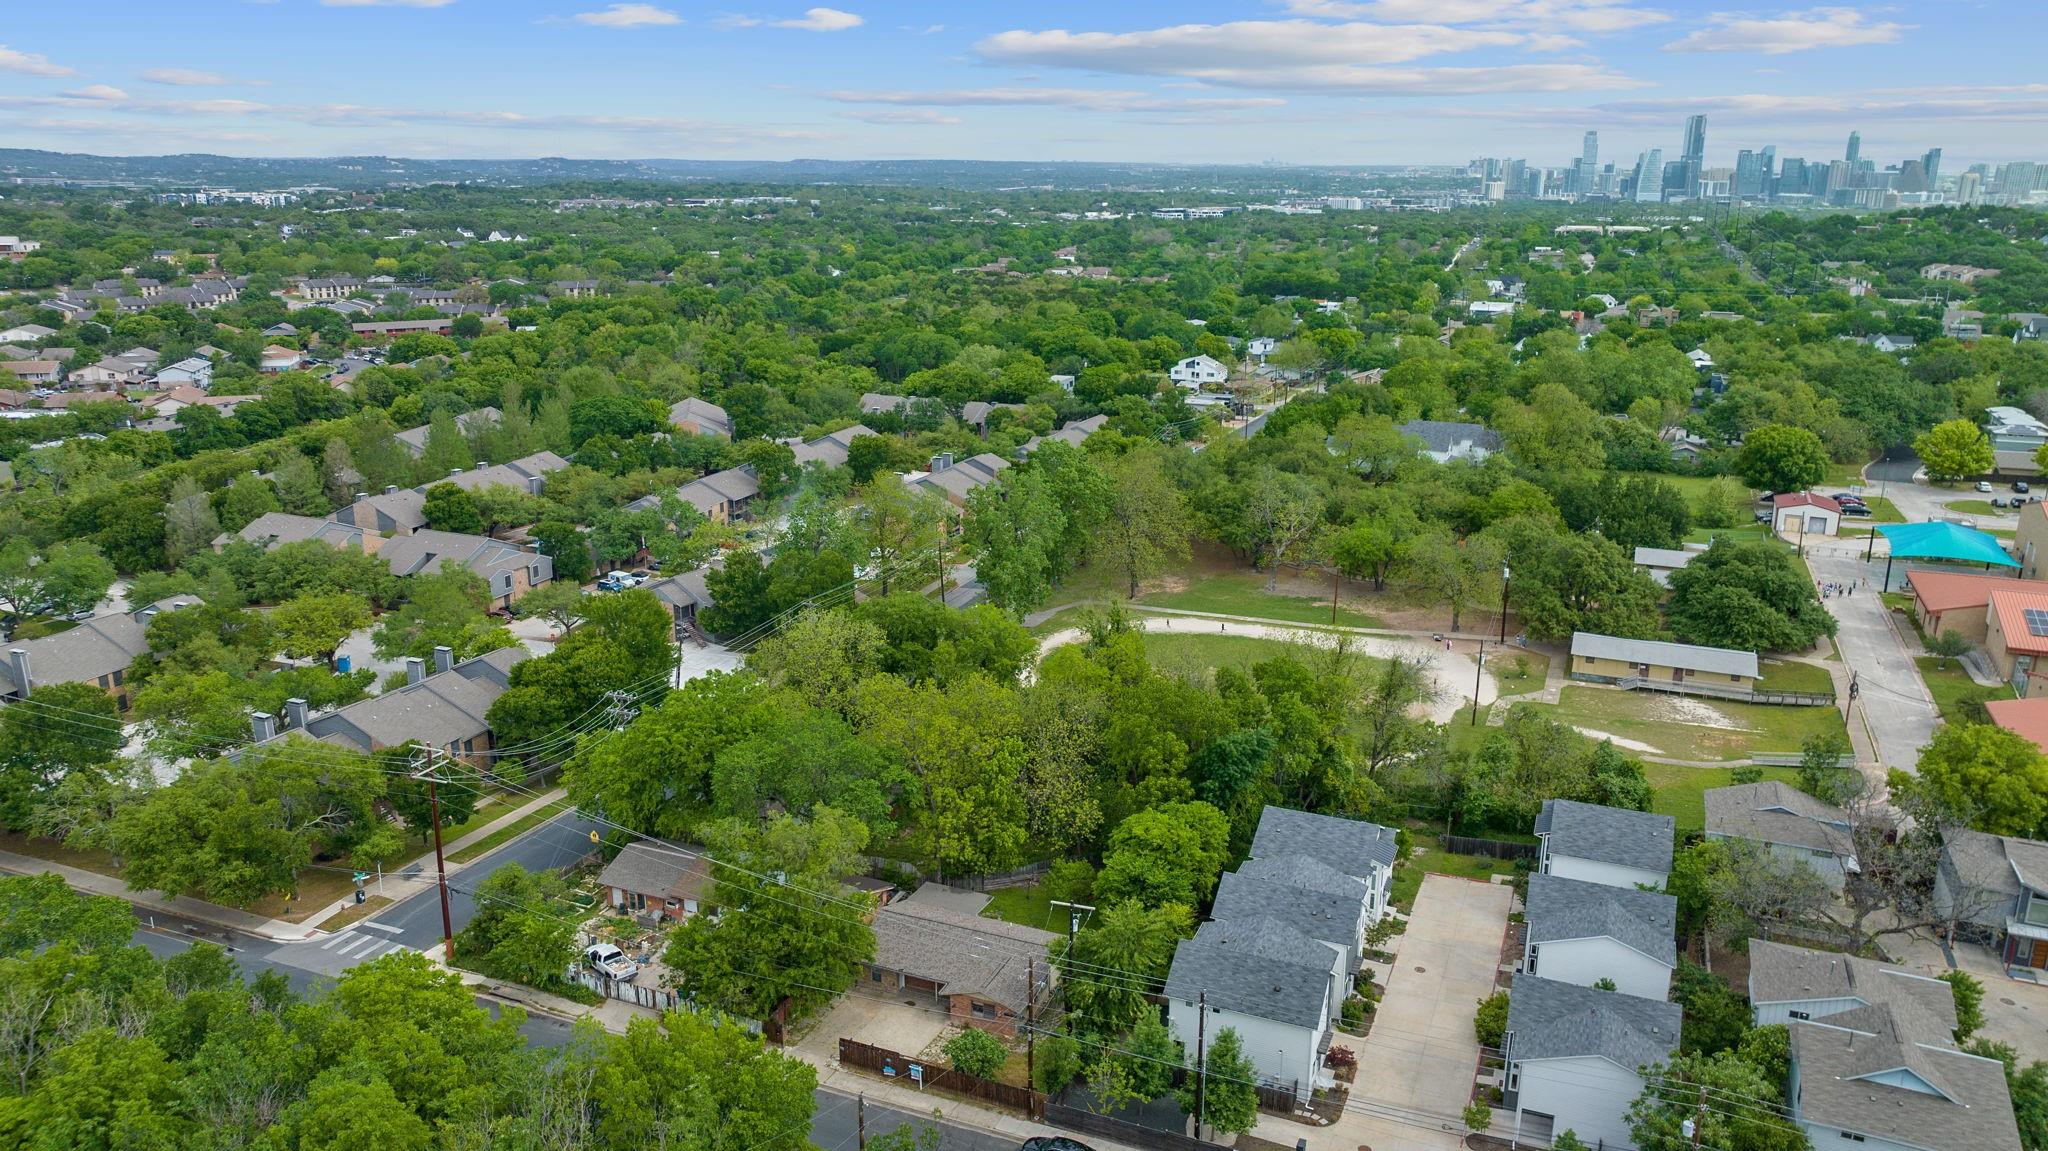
864, 1014
1415, 1070
1894, 705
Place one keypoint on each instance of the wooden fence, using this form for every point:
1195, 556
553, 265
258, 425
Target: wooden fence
892, 1065
1023, 876
1497, 848
1732, 694
1121, 1130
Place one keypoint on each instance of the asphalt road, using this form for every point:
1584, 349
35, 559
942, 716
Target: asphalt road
835, 1122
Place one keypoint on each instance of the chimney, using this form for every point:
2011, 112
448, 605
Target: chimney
444, 658
18, 659
941, 462
262, 725
534, 484
390, 489
295, 713
454, 471
415, 669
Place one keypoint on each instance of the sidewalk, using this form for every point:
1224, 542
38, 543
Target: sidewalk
235, 919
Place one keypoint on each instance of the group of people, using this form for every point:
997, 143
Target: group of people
1836, 587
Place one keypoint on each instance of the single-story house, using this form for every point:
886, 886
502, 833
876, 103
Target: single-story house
1573, 1056
1581, 932
1600, 844
443, 709
33, 371
414, 440
1661, 562
2028, 717
111, 372
1612, 659
1444, 441
1277, 988
1353, 847
99, 651
26, 334
1198, 372
1805, 514
1993, 889
980, 970
657, 881
1945, 601
277, 358
829, 449
1791, 823
700, 418
2016, 638
1873, 1055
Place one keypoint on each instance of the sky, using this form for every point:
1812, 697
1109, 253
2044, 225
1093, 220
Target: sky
1324, 82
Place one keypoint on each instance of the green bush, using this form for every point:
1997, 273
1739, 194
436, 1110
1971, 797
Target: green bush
1478, 1116
976, 1052
1070, 880
1059, 1063
1491, 1023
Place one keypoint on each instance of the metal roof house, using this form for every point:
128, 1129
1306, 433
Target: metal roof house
1660, 665
1599, 844
1574, 1056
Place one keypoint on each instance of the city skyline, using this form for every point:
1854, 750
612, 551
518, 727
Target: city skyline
1294, 81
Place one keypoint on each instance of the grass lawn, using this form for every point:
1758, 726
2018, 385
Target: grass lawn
1882, 511
1656, 720
1746, 534
1791, 675
1950, 686
1680, 792
505, 834
1522, 672
1691, 487
1246, 594
1408, 877
1973, 507
1198, 655
1030, 906
318, 886
54, 851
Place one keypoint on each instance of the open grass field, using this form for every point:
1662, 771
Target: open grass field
1791, 675
1691, 487
1746, 534
1680, 792
1198, 655
1244, 593
1683, 727
1519, 672
1952, 685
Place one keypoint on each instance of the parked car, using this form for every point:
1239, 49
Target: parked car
607, 959
2019, 485
1053, 1143
639, 577
1846, 498
1763, 516
1997, 501
1855, 511
1983, 485
615, 581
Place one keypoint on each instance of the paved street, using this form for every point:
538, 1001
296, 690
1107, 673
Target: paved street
1894, 706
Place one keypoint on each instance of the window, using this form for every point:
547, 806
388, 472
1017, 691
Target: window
1531, 965
1799, 1015
1852, 1136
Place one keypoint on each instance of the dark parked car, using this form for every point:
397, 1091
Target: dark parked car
1054, 1143
2019, 485
1997, 501
1763, 517
1855, 511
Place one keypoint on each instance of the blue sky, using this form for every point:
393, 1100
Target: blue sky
1304, 81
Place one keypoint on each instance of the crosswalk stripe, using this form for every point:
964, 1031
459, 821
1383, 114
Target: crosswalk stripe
335, 940
356, 944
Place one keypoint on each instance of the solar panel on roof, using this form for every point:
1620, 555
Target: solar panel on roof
2037, 621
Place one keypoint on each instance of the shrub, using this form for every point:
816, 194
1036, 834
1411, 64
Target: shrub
1342, 1057
1478, 1116
1491, 1023
1969, 996
1059, 1063
976, 1052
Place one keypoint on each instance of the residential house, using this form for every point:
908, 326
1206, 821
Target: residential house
975, 414
830, 449
1599, 844
74, 399
658, 882
879, 403
1279, 989
1198, 372
1487, 309
1874, 1061
1801, 514
1353, 847
277, 358
984, 973
953, 481
39, 372
1581, 932
1613, 659
1574, 1057
573, 289
26, 334
2016, 638
1956, 273
16, 248
444, 709
111, 372
686, 594
275, 529
2014, 429
414, 440
1993, 889
1445, 441
192, 371
99, 651
528, 474
1259, 347
1949, 601
1331, 912
509, 572
1892, 345
2027, 717
1661, 562
391, 329
1073, 433
1699, 359
700, 418
396, 512
1788, 822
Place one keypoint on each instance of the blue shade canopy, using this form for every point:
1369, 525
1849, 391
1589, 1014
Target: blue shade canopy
1945, 541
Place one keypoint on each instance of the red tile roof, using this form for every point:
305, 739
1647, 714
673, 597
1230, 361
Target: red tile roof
1944, 591
1806, 499
2012, 608
2028, 717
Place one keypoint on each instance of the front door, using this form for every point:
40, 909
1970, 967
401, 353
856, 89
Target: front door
1677, 675
2039, 955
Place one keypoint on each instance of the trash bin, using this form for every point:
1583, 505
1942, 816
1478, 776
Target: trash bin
341, 664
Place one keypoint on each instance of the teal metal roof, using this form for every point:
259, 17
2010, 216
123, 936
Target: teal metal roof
1945, 541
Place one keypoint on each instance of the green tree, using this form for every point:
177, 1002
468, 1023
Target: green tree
901, 530
1223, 1096
566, 544
299, 488
559, 602
341, 1113
445, 608
189, 523
1949, 644
1954, 449
1969, 995
1781, 458
1059, 1063
1145, 526
694, 1081
67, 728
312, 626
517, 931
1490, 1023
1012, 531
42, 911
1129, 948
448, 508
446, 448
975, 1052
1172, 853
1749, 596
244, 500
68, 577
1979, 775
1821, 773
1657, 1119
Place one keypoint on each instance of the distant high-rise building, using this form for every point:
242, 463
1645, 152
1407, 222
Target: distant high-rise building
1932, 163
1749, 179
1770, 168
1589, 151
1837, 179
1855, 148
1912, 177
1970, 186
1792, 178
1684, 184
1649, 184
1695, 139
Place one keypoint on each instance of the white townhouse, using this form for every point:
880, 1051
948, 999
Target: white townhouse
1573, 1057
1198, 372
1610, 845
1353, 847
1582, 933
1279, 989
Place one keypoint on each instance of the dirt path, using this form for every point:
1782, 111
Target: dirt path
1452, 671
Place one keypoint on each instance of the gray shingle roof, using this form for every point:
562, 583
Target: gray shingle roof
1552, 1020
1444, 435
1304, 872
1560, 908
1714, 660
1250, 983
830, 448
707, 417
1607, 834
1841, 1064
1332, 918
1344, 844
97, 647
1780, 973
651, 869
1772, 811
415, 439
965, 954
519, 473
442, 709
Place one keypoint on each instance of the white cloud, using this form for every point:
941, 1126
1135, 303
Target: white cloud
386, 3
1573, 15
192, 78
31, 64
1089, 99
902, 116
628, 16
822, 20
1789, 32
1198, 49
96, 93
1950, 103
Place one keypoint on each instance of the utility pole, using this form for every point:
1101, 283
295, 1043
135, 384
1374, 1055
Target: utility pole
1202, 1062
1699, 1119
1030, 1018
426, 772
1504, 575
1478, 677
861, 1121
1074, 911
1336, 578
